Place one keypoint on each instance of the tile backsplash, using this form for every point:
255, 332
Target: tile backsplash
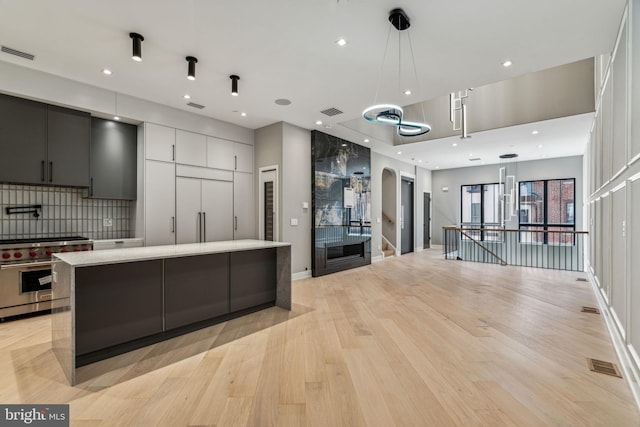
64, 212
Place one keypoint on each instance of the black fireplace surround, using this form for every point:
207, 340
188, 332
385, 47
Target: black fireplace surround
341, 204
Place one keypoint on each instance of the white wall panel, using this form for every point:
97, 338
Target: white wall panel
619, 105
606, 111
633, 227
605, 235
619, 289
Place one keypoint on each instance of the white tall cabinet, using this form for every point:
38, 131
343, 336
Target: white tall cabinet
159, 185
202, 211
198, 188
243, 207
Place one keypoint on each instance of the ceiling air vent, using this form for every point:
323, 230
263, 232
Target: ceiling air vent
475, 159
15, 52
331, 112
194, 105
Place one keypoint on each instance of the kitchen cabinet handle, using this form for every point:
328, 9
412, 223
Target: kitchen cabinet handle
235, 159
199, 225
50, 171
42, 171
204, 227
235, 223
173, 224
173, 152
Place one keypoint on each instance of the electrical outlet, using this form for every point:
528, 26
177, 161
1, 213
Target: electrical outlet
107, 222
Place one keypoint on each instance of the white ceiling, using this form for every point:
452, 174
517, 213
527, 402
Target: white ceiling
286, 49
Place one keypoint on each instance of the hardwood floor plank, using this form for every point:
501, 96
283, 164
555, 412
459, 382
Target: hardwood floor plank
409, 341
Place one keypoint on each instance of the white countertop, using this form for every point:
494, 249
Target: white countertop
114, 256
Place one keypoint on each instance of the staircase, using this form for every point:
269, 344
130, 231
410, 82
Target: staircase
387, 248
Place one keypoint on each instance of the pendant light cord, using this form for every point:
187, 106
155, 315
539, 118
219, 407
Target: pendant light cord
399, 61
384, 56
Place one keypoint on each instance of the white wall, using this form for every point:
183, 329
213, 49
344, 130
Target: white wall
378, 163
289, 147
296, 190
612, 160
268, 152
446, 205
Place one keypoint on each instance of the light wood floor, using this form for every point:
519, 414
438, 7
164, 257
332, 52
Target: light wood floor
412, 341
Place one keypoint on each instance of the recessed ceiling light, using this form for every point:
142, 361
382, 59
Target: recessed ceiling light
106, 71
341, 42
507, 63
343, 145
470, 154
187, 96
116, 118
437, 167
455, 144
419, 161
539, 145
318, 122
366, 140
283, 101
399, 152
535, 132
407, 92
243, 114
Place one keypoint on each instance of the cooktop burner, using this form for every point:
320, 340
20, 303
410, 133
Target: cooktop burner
42, 240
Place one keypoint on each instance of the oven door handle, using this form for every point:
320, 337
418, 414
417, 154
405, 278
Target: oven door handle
27, 265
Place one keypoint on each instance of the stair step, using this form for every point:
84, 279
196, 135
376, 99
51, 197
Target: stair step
388, 252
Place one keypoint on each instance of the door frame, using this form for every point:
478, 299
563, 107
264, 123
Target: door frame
276, 221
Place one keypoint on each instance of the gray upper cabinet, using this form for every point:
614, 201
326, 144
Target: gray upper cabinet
68, 140
23, 135
43, 144
113, 160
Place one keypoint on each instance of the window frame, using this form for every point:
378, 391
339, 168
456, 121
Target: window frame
545, 225
482, 224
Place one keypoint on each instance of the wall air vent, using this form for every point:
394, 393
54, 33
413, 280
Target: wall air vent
331, 112
15, 52
194, 105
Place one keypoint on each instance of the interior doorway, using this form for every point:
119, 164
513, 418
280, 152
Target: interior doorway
388, 214
406, 216
268, 203
426, 223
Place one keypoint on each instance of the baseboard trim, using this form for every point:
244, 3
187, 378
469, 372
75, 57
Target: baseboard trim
624, 352
301, 275
377, 258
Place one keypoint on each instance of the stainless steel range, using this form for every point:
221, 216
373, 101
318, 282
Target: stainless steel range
25, 271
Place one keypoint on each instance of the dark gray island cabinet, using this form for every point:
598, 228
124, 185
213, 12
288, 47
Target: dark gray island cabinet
111, 302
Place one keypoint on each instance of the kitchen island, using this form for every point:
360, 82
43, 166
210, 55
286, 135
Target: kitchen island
111, 302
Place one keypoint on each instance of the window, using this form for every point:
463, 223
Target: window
547, 205
480, 207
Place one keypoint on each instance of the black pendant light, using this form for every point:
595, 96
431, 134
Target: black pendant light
234, 84
137, 46
191, 72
